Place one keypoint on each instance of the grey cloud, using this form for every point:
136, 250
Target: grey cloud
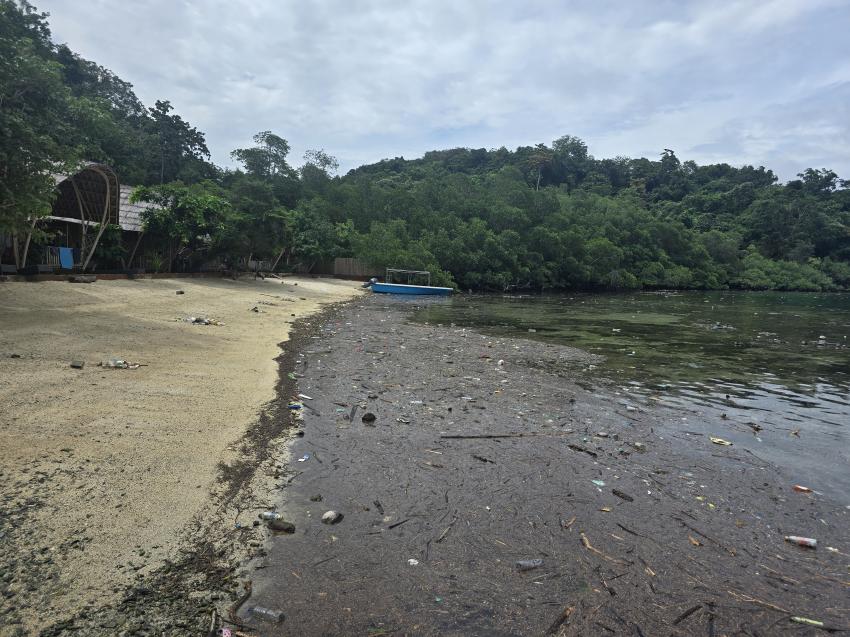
370, 78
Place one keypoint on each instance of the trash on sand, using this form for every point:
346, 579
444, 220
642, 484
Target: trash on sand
807, 621
304, 458
598, 483
639, 446
809, 542
200, 320
801, 489
531, 330
14, 355
694, 541
527, 565
267, 614
605, 509
78, 364
295, 405
304, 397
180, 292
403, 421
118, 363
269, 515
623, 496
368, 417
413, 562
291, 376
282, 526
720, 441
602, 434
332, 517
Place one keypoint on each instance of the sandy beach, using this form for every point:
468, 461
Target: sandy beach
103, 468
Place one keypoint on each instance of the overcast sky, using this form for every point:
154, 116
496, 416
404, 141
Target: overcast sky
763, 82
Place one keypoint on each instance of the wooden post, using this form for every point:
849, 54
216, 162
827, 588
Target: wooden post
27, 244
274, 265
102, 224
135, 247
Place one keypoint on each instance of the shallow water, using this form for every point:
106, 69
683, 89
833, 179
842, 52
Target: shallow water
773, 364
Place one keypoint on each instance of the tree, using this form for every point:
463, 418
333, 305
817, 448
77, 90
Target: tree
179, 143
187, 219
34, 114
267, 158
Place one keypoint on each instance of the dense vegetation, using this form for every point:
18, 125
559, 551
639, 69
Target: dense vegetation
540, 217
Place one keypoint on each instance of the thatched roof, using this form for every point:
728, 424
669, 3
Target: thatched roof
130, 214
83, 195
87, 194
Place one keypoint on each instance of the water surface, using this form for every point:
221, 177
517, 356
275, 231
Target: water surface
774, 366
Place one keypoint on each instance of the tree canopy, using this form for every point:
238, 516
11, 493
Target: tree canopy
539, 217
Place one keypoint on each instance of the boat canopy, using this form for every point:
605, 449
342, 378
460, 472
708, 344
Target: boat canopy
393, 272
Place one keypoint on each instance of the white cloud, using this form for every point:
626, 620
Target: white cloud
368, 79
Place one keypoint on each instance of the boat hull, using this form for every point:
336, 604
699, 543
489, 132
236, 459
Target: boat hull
398, 288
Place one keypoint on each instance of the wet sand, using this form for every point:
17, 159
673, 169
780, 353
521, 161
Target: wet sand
677, 536
102, 470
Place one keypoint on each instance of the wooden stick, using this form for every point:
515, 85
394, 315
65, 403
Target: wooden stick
564, 616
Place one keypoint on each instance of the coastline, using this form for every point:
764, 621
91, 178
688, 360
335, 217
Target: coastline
115, 481
678, 522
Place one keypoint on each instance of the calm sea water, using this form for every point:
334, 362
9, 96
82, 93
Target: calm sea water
780, 361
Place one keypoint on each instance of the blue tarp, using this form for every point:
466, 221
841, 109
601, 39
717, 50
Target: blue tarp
66, 258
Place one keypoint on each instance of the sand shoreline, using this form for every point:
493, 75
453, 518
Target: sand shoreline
102, 469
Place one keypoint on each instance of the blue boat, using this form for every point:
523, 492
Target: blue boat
408, 288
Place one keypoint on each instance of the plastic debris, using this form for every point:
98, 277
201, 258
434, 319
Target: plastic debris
622, 496
808, 542
78, 364
304, 458
801, 489
368, 417
413, 562
332, 517
304, 397
807, 621
267, 614
269, 515
295, 405
118, 363
598, 483
527, 565
720, 441
291, 376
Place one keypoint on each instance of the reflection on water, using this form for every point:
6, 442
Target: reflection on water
778, 361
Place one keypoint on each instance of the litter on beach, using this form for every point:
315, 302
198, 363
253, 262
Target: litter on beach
118, 363
808, 542
304, 458
720, 441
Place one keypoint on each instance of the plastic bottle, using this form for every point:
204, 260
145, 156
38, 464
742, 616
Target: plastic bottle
267, 614
802, 541
270, 515
527, 565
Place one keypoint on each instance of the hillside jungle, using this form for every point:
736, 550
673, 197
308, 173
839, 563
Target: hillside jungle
539, 217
